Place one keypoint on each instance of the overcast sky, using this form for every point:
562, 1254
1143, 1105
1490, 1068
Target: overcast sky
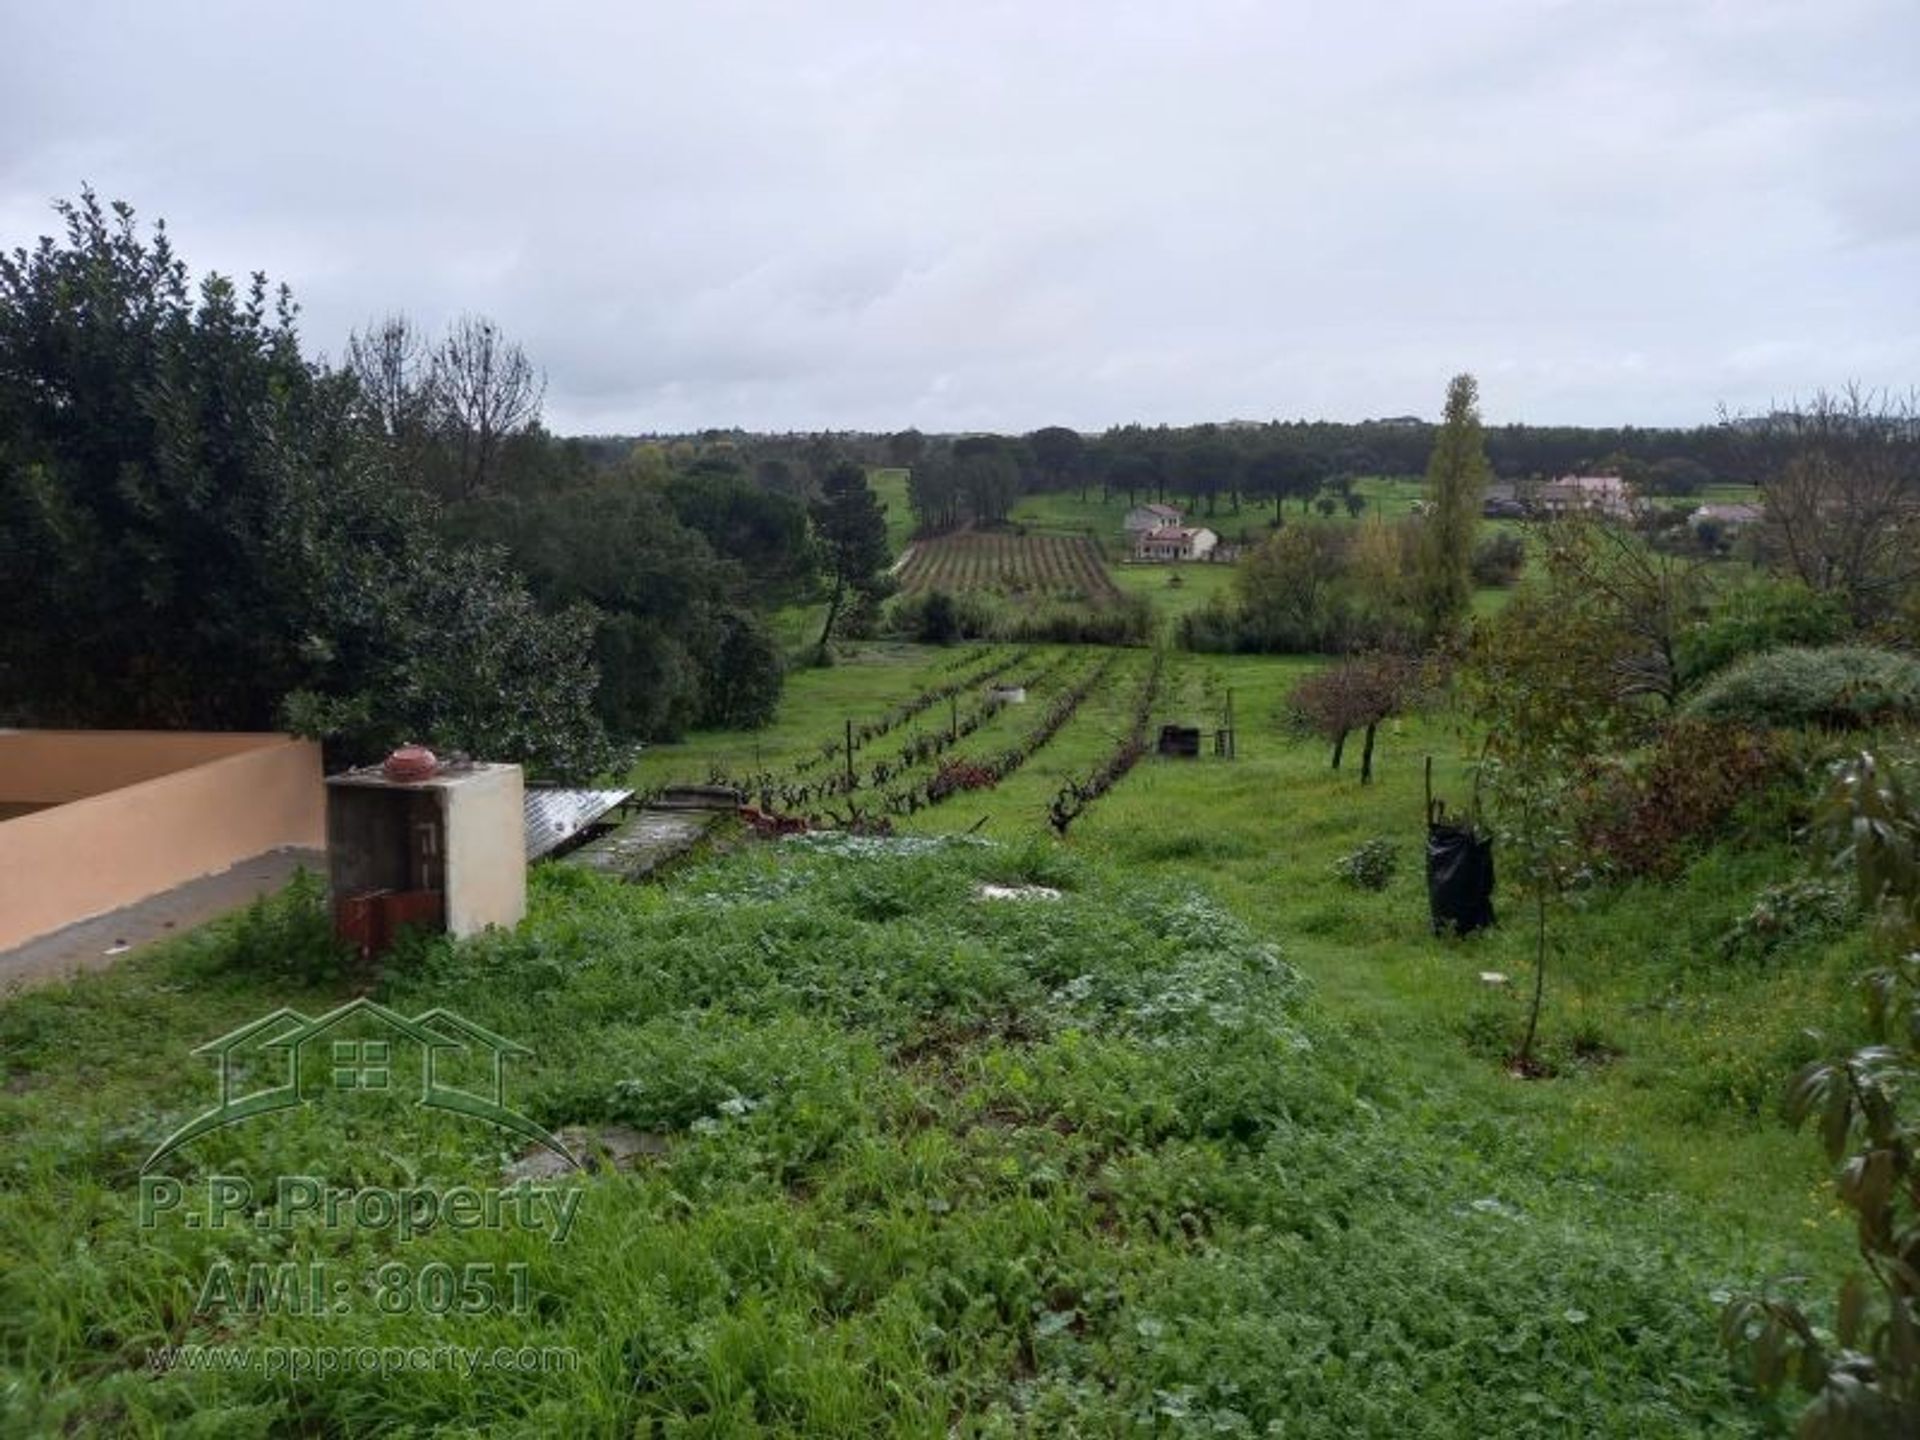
977, 215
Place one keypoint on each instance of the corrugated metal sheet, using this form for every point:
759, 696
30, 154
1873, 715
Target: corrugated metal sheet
555, 816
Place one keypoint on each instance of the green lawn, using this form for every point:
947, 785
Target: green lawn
890, 484
1197, 585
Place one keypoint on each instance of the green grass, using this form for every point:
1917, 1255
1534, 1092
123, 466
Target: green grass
1212, 1142
865, 680
1198, 584
928, 1164
1264, 830
1391, 496
890, 484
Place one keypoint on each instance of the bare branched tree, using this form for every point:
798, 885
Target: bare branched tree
1840, 477
1648, 596
485, 391
389, 360
391, 364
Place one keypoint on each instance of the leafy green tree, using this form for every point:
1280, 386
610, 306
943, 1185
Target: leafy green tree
1134, 473
1284, 472
939, 619
219, 540
742, 683
1499, 559
1457, 477
851, 524
905, 448
987, 477
677, 642
763, 532
933, 494
1060, 454
1206, 467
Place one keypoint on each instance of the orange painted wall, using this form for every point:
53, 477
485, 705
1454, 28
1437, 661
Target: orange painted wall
238, 796
51, 767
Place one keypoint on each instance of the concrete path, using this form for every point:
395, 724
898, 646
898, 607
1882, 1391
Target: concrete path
97, 943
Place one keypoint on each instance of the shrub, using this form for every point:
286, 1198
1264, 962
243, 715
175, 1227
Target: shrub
939, 619
918, 617
1372, 866
289, 934
1844, 687
1864, 1374
1499, 559
1781, 914
1128, 623
1641, 819
1755, 618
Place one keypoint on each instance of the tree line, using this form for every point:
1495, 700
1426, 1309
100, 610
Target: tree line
1215, 468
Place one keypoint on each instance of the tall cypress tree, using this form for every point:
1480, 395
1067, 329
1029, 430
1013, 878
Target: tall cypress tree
1457, 476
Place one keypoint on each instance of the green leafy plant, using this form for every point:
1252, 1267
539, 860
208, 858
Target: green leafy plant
1782, 914
290, 934
1372, 866
1499, 558
1753, 618
1865, 1377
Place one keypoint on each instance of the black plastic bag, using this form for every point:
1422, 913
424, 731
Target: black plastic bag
1459, 878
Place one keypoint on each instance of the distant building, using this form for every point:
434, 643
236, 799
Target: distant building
1143, 518
1606, 494
1175, 542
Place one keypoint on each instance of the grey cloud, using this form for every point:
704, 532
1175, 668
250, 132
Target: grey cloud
995, 215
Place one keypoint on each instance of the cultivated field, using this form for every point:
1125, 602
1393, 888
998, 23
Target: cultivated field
1016, 567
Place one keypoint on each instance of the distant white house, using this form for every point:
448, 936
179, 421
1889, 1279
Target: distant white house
1607, 494
1175, 542
1143, 518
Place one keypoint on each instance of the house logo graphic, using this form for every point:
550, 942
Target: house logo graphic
360, 1046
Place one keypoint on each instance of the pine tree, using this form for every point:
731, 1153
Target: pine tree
852, 526
1457, 476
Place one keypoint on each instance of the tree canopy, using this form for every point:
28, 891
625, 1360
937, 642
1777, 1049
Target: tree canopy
216, 539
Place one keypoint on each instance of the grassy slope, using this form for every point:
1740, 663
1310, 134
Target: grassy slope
931, 1165
1703, 1047
804, 1293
